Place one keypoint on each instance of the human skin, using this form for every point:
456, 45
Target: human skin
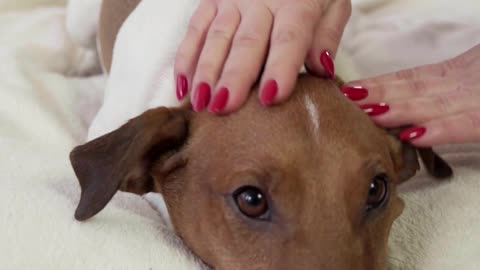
232, 44
441, 101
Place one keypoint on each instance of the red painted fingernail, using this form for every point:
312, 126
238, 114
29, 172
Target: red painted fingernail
355, 93
327, 63
182, 86
269, 93
219, 101
375, 109
412, 133
202, 97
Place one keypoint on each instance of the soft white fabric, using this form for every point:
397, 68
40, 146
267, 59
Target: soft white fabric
385, 36
44, 112
440, 227
148, 40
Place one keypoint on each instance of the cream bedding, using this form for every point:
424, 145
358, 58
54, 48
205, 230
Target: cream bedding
47, 104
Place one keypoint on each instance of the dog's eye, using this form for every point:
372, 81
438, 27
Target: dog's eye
378, 192
251, 202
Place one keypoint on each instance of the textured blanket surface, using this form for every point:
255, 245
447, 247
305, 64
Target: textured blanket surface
48, 103
45, 110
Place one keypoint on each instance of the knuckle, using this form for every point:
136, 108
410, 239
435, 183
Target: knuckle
194, 30
285, 35
464, 92
224, 25
443, 104
219, 33
247, 40
457, 62
309, 13
206, 68
313, 5
442, 69
418, 86
405, 74
473, 119
449, 64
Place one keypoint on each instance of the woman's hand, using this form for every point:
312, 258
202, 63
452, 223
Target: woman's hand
230, 42
442, 100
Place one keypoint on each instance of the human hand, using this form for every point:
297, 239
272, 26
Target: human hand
441, 100
228, 42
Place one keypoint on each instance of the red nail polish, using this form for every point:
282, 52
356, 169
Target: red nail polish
327, 63
219, 101
182, 86
375, 109
355, 93
412, 133
202, 97
269, 93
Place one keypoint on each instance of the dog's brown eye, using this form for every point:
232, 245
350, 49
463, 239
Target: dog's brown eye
251, 202
378, 192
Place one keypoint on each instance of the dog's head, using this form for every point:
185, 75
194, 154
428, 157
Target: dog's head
310, 184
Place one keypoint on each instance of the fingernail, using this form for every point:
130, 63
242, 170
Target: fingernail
219, 101
355, 93
202, 97
375, 109
182, 86
269, 93
412, 133
327, 63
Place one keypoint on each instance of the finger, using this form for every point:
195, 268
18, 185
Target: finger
191, 46
422, 109
455, 129
398, 90
291, 37
214, 53
327, 38
432, 71
245, 59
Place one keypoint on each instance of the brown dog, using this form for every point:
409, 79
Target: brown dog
310, 184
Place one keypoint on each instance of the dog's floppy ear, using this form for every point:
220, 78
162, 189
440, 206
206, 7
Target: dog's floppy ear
406, 157
121, 160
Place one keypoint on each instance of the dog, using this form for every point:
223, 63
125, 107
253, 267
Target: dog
309, 184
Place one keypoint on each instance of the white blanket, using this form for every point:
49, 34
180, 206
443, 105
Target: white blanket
44, 112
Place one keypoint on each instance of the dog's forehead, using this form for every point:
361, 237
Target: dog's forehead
316, 117
313, 114
317, 144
